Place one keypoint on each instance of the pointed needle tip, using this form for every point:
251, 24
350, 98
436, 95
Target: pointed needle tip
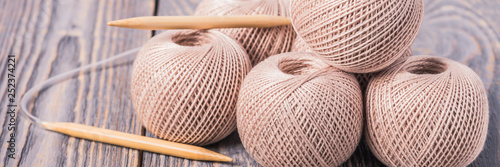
111, 23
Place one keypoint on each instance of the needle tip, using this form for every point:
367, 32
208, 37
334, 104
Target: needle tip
111, 23
213, 156
226, 159
126, 23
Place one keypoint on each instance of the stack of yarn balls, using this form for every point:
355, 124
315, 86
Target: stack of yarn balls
350, 73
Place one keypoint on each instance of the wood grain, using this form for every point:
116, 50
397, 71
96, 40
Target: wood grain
51, 37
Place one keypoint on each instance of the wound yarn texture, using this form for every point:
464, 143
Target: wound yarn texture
427, 111
299, 45
296, 110
185, 84
364, 78
259, 43
358, 36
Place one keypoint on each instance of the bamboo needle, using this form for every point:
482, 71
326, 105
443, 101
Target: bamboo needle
135, 141
200, 22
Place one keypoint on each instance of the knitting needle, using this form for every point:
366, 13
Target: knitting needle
135, 141
200, 22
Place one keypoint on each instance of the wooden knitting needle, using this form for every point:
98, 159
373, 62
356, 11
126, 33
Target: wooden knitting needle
135, 141
200, 22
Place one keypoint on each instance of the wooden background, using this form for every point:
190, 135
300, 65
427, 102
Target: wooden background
52, 36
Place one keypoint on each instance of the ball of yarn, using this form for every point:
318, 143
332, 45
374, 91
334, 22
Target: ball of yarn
427, 111
259, 43
359, 36
296, 110
185, 85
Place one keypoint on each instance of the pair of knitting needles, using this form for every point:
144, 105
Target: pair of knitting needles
153, 144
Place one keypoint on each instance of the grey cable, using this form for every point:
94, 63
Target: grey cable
28, 96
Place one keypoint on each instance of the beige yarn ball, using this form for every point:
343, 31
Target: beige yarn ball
358, 36
427, 111
185, 85
259, 43
295, 110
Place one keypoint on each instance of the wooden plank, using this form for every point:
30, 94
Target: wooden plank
177, 7
51, 37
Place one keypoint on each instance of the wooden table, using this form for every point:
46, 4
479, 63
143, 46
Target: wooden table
50, 37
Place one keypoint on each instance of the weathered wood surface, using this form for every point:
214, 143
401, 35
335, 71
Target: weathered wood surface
50, 37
